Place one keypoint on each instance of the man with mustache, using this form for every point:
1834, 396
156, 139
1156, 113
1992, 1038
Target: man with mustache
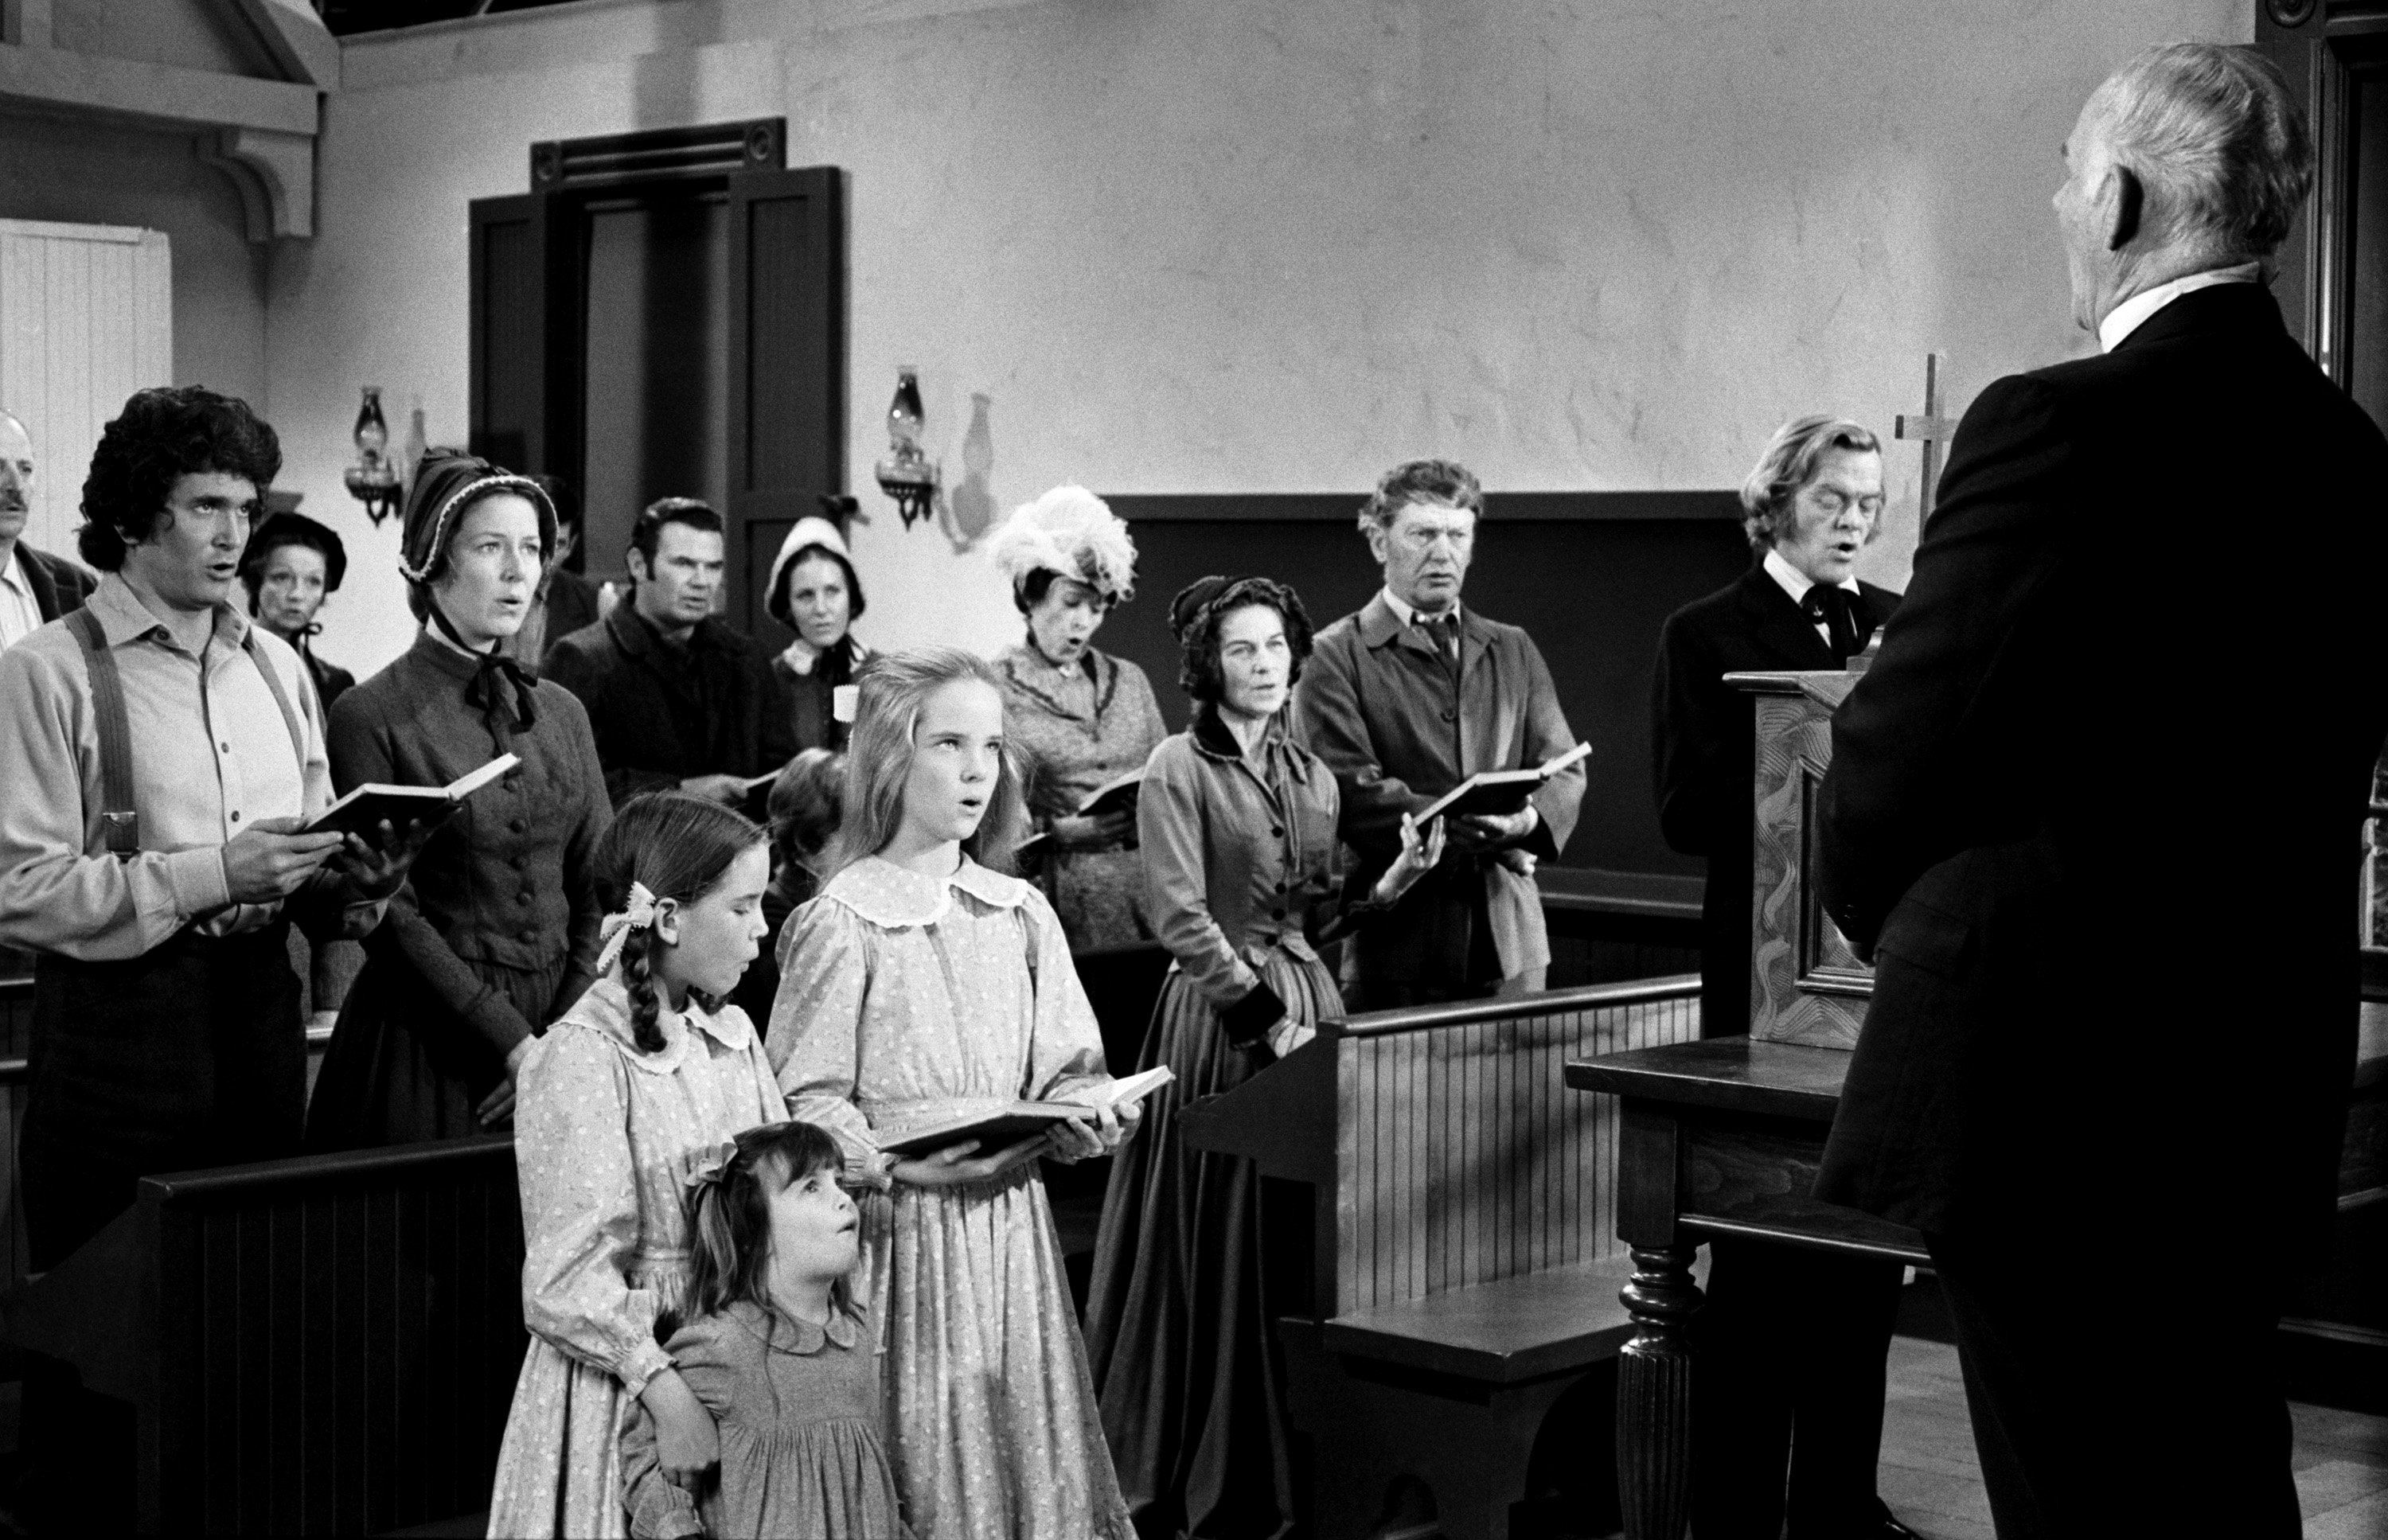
1405, 699
35, 587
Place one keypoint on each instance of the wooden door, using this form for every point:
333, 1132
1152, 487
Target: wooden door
787, 369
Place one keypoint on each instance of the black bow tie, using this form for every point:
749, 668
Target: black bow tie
1838, 610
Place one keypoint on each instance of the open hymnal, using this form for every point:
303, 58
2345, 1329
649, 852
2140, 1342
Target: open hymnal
1117, 795
995, 1127
370, 803
1498, 793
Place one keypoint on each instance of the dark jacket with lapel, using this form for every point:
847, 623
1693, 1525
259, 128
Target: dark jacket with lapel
1701, 734
2097, 801
1379, 705
662, 712
58, 585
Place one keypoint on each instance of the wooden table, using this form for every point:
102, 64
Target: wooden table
1719, 1137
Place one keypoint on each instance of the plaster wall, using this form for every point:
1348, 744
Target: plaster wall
89, 171
1224, 246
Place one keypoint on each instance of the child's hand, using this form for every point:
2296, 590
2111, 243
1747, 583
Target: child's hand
958, 1165
687, 1444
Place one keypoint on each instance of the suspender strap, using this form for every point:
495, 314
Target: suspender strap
119, 819
281, 699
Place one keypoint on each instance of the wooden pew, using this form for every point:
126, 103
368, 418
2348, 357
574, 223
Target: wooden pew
1462, 1267
310, 1345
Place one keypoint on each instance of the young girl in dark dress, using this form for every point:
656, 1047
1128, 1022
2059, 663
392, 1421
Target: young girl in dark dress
773, 1345
1237, 822
496, 928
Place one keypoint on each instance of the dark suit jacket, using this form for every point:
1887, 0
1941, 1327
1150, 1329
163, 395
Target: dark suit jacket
2097, 801
1378, 703
58, 585
1702, 731
662, 712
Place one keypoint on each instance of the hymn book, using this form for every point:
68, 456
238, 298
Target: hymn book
367, 805
995, 1129
1497, 793
1117, 795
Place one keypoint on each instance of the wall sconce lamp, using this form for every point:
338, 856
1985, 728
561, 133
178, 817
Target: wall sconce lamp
907, 474
373, 480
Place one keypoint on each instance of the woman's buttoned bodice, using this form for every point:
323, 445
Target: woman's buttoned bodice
506, 879
1239, 853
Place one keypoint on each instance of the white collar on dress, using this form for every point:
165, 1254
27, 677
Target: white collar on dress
889, 895
605, 1009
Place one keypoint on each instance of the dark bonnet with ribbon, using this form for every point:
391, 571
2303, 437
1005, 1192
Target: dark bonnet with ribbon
446, 484
1193, 620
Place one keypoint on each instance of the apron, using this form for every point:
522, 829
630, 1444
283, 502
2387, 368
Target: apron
190, 1056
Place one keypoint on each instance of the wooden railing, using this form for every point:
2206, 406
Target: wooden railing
1462, 1157
13, 1076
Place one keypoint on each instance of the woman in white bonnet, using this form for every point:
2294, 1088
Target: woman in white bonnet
814, 592
1078, 717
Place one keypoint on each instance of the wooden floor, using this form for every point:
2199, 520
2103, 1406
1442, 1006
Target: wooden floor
1931, 1480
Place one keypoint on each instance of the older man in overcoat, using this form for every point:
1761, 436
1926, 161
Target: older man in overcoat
1409, 697
2094, 812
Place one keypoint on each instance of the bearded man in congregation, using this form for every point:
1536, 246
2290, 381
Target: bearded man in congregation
2094, 812
1793, 1340
1405, 699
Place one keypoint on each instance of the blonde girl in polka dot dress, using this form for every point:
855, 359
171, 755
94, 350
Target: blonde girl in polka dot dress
642, 1077
922, 985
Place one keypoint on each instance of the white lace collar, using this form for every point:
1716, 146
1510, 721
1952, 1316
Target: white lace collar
889, 895
605, 1008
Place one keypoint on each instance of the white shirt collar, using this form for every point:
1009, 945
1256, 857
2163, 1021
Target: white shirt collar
1795, 582
2127, 317
1406, 613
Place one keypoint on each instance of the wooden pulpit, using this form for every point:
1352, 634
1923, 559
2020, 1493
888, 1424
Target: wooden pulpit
1440, 1253
1723, 1136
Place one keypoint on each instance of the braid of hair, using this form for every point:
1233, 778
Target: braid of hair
639, 978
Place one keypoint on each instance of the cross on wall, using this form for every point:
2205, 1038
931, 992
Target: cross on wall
1933, 429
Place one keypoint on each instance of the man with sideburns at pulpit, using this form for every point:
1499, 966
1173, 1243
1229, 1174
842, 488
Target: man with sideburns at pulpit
2093, 813
1794, 1341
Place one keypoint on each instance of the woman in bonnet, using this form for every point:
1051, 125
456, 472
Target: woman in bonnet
496, 930
1076, 716
815, 593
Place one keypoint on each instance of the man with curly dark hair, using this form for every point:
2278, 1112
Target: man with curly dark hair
161, 754
1405, 699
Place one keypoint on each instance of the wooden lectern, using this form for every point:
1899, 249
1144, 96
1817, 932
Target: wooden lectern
1723, 1136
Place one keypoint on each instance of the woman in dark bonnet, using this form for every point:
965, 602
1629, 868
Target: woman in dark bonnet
495, 933
1236, 825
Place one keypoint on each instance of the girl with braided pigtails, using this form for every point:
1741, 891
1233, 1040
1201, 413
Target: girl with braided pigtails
638, 1085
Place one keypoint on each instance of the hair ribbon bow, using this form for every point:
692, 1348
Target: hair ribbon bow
615, 929
707, 1164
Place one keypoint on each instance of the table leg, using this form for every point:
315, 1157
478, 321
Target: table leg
1654, 1394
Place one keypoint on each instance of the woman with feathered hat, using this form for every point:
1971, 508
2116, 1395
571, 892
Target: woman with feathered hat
1077, 716
495, 932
